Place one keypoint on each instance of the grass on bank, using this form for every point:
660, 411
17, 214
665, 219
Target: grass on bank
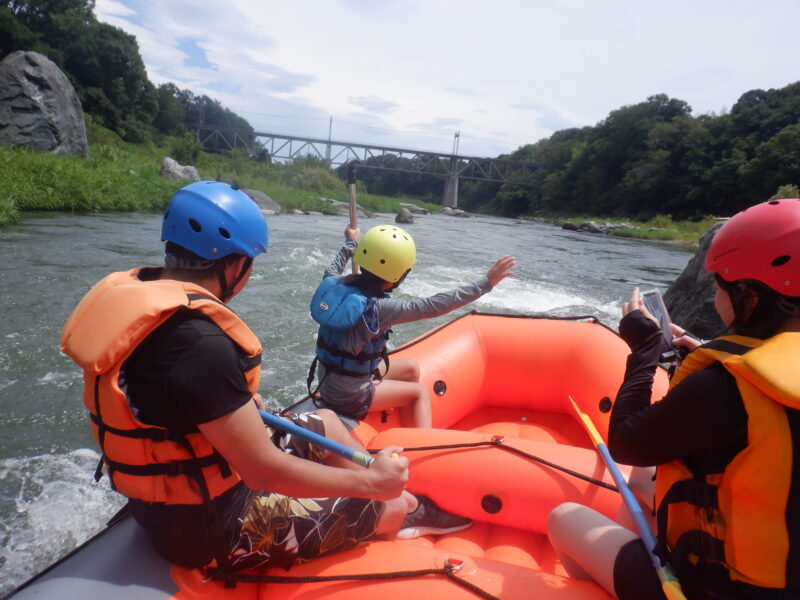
118, 176
660, 228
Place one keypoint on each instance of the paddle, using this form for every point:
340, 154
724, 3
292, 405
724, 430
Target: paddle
351, 185
669, 582
318, 440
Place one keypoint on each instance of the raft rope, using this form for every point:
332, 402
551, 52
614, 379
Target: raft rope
497, 441
449, 570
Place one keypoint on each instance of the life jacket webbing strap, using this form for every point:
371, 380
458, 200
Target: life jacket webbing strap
198, 296
727, 346
693, 491
701, 544
361, 356
448, 570
155, 434
189, 467
499, 444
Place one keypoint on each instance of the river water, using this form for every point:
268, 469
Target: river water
49, 502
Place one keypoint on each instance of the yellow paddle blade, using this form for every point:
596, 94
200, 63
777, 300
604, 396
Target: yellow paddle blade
672, 590
587, 424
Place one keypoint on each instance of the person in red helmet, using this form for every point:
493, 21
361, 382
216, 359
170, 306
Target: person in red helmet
725, 438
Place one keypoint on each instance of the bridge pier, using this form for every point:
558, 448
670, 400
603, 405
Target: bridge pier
450, 196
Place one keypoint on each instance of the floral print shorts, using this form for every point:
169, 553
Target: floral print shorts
279, 531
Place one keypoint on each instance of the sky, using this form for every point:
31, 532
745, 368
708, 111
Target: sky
503, 73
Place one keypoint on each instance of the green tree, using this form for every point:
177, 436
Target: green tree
786, 191
171, 114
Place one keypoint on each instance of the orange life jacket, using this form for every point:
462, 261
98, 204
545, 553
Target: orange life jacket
147, 462
747, 518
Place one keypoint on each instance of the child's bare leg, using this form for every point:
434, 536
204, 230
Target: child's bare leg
403, 369
410, 397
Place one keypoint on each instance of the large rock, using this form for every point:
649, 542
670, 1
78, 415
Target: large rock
404, 216
39, 108
344, 208
414, 209
690, 299
265, 203
171, 169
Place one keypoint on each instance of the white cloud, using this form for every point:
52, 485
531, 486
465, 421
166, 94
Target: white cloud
408, 73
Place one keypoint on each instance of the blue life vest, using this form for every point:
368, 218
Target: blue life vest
338, 308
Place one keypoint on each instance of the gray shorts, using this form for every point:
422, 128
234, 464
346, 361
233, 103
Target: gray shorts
343, 394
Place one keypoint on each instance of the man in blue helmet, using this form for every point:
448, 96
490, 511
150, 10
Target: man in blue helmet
172, 377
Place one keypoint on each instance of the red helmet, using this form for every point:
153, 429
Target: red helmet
761, 243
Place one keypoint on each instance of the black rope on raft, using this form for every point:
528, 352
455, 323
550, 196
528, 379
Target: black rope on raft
498, 442
449, 570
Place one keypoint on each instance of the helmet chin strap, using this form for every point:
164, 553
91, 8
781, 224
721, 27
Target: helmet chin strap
226, 289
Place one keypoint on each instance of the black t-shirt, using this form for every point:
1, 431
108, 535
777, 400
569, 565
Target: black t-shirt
184, 373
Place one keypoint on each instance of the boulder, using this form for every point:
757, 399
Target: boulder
344, 208
171, 169
404, 216
690, 299
593, 227
265, 203
414, 209
39, 108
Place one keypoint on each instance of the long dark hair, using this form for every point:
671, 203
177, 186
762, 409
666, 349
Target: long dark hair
769, 314
368, 283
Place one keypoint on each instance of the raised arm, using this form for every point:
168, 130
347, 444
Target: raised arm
345, 253
393, 312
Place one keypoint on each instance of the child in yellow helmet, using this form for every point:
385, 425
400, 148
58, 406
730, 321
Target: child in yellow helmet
355, 313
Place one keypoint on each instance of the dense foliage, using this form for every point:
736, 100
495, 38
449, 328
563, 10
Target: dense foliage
104, 65
655, 158
647, 159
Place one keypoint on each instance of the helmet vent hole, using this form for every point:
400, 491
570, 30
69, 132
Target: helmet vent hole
364, 250
781, 260
383, 261
774, 202
224, 233
195, 226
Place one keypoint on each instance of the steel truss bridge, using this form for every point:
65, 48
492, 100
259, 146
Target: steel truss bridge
371, 156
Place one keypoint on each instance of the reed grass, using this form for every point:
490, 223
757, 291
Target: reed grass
118, 176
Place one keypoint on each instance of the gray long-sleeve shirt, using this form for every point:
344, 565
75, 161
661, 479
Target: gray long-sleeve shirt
393, 312
341, 390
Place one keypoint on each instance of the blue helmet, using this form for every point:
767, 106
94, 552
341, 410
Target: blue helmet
214, 220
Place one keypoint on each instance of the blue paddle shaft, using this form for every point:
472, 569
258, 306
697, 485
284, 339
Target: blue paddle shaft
630, 501
314, 438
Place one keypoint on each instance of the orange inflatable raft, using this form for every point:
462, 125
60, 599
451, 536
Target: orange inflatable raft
508, 449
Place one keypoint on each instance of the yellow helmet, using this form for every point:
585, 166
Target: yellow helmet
386, 251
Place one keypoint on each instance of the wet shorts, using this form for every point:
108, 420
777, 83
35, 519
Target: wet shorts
280, 531
635, 577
